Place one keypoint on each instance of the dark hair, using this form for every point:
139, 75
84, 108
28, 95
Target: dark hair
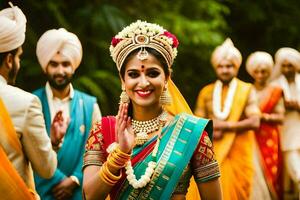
4, 54
151, 51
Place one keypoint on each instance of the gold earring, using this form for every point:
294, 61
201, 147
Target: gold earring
165, 98
124, 98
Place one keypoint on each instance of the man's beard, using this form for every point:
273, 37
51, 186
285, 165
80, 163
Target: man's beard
226, 81
12, 74
59, 85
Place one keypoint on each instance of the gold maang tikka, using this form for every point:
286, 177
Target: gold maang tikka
142, 54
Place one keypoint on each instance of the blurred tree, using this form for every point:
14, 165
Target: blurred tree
264, 25
199, 26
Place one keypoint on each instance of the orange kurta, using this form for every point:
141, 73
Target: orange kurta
234, 151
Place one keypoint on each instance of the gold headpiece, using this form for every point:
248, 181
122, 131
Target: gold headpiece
140, 35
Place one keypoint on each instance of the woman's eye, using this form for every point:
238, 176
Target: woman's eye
153, 74
133, 74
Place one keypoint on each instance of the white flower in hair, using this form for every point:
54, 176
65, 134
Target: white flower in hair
143, 34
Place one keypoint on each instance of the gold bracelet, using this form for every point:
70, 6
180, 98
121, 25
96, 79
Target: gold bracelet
122, 154
110, 175
117, 159
105, 179
113, 164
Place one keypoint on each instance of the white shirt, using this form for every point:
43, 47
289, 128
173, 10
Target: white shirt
56, 104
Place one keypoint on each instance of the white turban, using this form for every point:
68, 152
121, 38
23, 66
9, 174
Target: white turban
62, 41
259, 59
286, 54
12, 28
226, 51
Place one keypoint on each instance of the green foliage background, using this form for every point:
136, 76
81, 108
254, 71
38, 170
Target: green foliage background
200, 25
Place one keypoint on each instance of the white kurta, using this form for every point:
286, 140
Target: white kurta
290, 134
26, 114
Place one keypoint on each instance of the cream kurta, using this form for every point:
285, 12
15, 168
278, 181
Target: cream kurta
26, 114
290, 136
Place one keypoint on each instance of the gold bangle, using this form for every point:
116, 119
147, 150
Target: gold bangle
110, 175
122, 154
118, 160
111, 162
105, 179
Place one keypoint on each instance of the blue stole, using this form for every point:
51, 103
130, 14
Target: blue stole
70, 155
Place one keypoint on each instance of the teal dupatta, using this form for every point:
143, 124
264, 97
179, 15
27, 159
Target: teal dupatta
70, 155
177, 145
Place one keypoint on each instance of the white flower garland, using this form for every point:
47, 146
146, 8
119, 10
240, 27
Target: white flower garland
143, 28
286, 88
140, 27
145, 179
217, 95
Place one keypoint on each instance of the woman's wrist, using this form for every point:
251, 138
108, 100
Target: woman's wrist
110, 171
107, 176
117, 159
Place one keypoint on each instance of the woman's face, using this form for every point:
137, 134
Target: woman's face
144, 81
261, 74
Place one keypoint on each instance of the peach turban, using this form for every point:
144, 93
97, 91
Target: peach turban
226, 51
12, 28
286, 54
259, 59
62, 41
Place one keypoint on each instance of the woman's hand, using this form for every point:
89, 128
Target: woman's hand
124, 131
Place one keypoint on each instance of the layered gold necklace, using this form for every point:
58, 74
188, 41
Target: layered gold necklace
143, 128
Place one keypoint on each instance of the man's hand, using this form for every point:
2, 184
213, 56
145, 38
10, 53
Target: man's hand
217, 134
58, 128
64, 190
291, 105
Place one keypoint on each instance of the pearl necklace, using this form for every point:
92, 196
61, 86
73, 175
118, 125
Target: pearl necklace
143, 128
217, 94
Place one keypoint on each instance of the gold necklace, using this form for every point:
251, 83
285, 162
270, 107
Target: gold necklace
143, 128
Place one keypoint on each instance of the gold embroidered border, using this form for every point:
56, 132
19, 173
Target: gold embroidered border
210, 170
163, 160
